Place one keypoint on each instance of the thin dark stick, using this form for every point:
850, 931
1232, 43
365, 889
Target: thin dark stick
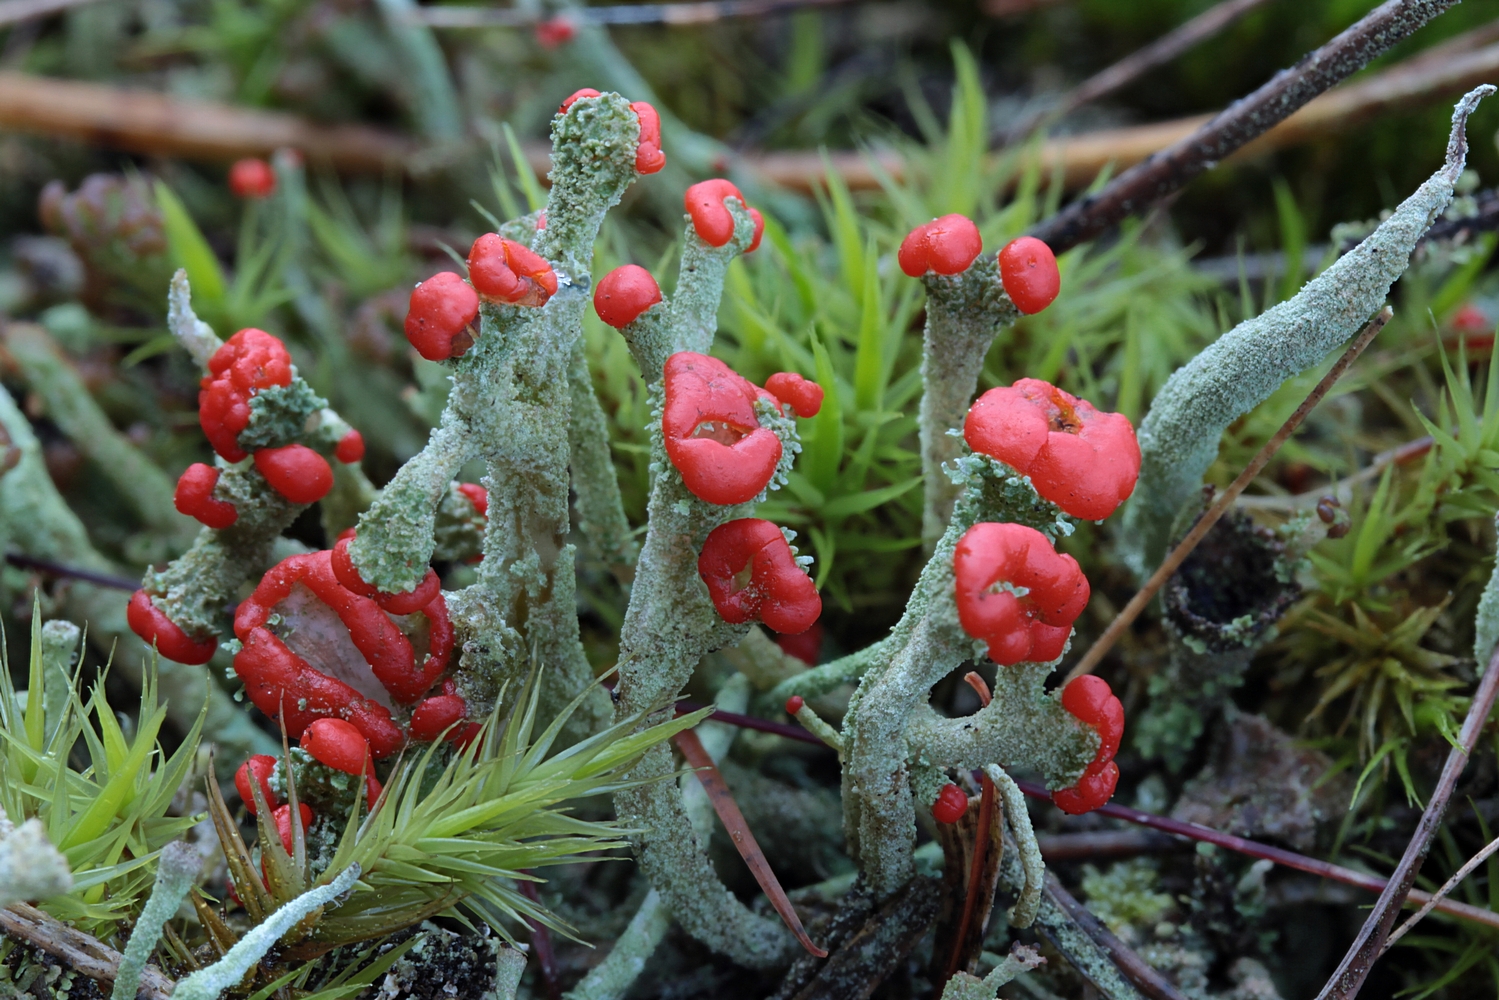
1441, 894
1135, 969
1225, 500
1354, 969
1164, 49
1255, 849
1142, 185
980, 843
541, 944
50, 568
646, 13
1098, 844
752, 722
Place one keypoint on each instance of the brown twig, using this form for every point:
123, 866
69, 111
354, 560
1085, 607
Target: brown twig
82, 952
1143, 185
1442, 893
1225, 500
1343, 488
50, 568
541, 944
1124, 72
1365, 950
1135, 969
1285, 858
739, 832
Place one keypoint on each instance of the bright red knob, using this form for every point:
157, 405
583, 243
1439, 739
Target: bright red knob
337, 744
282, 817
194, 497
295, 471
623, 294
246, 363
259, 769
648, 156
439, 315
555, 31
437, 715
751, 573
795, 704
710, 218
350, 448
803, 396
576, 96
1017, 593
946, 246
506, 271
1028, 270
153, 626
252, 178
477, 496
712, 435
1092, 790
951, 804
1083, 460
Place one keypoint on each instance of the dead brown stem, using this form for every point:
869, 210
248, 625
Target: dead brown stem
1442, 893
1147, 183
980, 848
1225, 500
81, 952
1365, 950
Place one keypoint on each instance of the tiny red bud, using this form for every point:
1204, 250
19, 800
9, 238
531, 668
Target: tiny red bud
1028, 270
338, 744
795, 704
576, 96
648, 156
295, 471
194, 497
282, 818
710, 218
555, 31
623, 294
477, 495
436, 715
803, 396
754, 214
252, 178
350, 448
951, 804
258, 768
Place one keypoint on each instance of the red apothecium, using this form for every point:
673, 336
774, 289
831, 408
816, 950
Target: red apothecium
576, 96
296, 472
776, 591
946, 246
258, 769
439, 316
711, 219
623, 294
350, 448
153, 626
951, 804
712, 435
1017, 593
1083, 460
194, 497
1028, 270
648, 156
506, 271
1091, 700
802, 395
252, 178
247, 363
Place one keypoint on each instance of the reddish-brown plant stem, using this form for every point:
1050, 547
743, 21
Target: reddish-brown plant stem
1126, 959
541, 944
1365, 950
739, 832
1224, 501
1255, 849
980, 844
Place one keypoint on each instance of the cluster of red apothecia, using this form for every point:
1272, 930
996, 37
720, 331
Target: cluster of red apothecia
1014, 591
246, 364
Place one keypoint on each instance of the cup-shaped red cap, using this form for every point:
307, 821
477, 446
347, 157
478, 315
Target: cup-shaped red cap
648, 156
710, 219
751, 573
439, 316
802, 395
153, 626
1028, 270
711, 432
1016, 592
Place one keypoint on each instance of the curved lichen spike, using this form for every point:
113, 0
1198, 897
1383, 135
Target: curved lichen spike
1179, 437
890, 726
964, 313
196, 589
511, 406
671, 624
